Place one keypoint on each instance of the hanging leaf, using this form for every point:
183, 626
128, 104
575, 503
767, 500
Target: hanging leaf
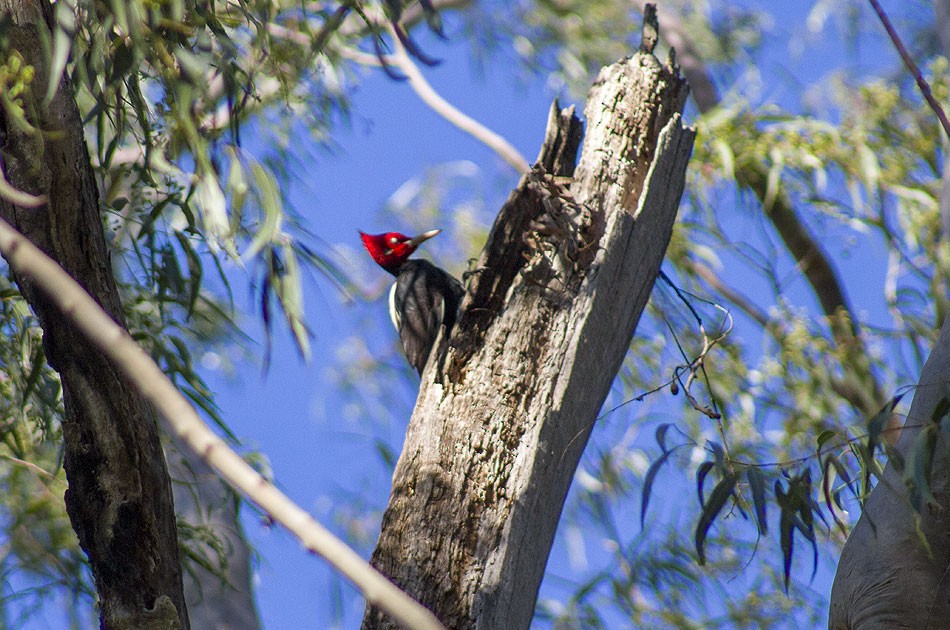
879, 420
720, 494
832, 466
701, 473
875, 425
64, 31
661, 435
195, 270
940, 410
271, 206
919, 467
290, 294
718, 452
757, 486
824, 436
648, 483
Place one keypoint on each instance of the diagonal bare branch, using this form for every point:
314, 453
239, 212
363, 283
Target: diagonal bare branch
182, 420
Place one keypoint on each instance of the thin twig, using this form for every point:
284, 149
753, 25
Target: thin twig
912, 67
18, 197
182, 420
449, 112
39, 470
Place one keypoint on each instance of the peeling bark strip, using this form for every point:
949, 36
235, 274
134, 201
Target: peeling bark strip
119, 498
505, 411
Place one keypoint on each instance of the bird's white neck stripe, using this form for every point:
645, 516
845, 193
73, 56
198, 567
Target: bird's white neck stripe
393, 313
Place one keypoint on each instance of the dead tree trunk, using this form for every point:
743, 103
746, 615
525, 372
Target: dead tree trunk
506, 407
119, 498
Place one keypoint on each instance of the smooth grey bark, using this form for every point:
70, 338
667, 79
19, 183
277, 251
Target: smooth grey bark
886, 578
220, 599
507, 404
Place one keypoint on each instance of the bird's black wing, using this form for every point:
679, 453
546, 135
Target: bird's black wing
424, 297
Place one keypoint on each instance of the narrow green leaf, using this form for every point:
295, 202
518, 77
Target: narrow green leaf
757, 486
63, 33
940, 410
774, 178
701, 473
718, 452
919, 467
236, 186
875, 425
786, 541
37, 363
648, 484
195, 269
271, 206
720, 494
661, 435
808, 531
385, 453
824, 436
214, 211
727, 157
832, 499
291, 299
879, 420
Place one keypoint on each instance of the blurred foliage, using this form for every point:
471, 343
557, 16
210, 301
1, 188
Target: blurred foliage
165, 90
800, 440
791, 447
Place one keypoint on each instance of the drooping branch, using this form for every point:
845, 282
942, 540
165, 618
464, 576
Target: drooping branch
113, 342
507, 404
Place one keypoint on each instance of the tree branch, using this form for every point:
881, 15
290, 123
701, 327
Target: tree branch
508, 402
182, 420
811, 258
912, 67
452, 114
17, 196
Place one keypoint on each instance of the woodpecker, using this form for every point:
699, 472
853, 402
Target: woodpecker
423, 298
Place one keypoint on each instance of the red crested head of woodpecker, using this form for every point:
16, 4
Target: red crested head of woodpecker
392, 249
424, 298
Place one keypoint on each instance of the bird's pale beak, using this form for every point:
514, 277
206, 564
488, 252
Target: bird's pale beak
416, 241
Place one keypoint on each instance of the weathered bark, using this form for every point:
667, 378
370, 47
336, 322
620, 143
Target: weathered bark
119, 498
506, 408
886, 579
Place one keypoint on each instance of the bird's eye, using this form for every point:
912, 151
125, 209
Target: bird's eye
393, 240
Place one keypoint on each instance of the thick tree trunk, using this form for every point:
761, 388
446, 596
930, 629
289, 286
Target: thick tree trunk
886, 577
506, 407
119, 498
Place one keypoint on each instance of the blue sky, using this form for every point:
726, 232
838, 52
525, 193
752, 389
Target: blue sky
294, 414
